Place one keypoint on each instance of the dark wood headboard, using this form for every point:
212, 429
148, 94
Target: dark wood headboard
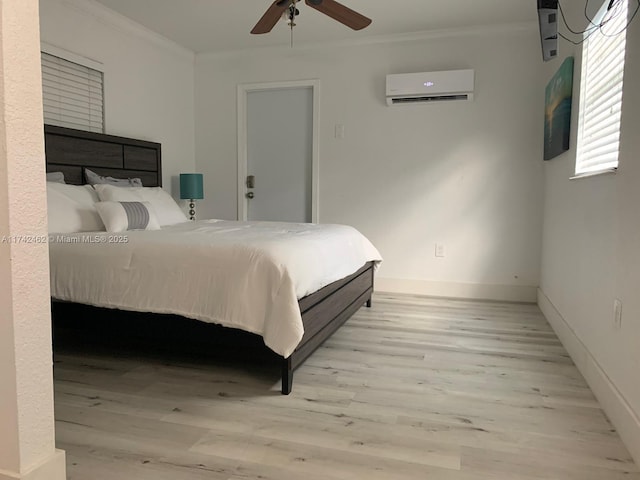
69, 151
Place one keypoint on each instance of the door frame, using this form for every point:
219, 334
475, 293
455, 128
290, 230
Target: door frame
243, 91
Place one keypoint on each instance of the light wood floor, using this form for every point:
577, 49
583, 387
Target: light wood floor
414, 388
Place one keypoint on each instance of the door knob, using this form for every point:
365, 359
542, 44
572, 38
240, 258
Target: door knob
249, 195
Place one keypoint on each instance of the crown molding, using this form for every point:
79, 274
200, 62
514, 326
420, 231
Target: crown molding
123, 24
499, 29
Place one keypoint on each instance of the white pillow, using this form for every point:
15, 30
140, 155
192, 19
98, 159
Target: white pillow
123, 216
94, 179
165, 207
71, 208
57, 177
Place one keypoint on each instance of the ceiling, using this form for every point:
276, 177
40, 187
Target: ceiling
224, 25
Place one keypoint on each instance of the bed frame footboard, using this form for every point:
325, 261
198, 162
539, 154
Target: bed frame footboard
323, 312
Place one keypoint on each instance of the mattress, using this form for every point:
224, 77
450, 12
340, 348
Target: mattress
246, 275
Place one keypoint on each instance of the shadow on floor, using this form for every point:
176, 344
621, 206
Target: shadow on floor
162, 339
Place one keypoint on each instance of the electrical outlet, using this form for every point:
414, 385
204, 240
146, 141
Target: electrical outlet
617, 313
439, 250
339, 130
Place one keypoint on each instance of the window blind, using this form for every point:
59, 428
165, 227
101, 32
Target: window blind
72, 94
601, 92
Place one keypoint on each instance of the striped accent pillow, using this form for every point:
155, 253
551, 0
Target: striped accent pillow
124, 216
137, 215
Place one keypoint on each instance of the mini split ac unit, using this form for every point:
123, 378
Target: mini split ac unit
412, 88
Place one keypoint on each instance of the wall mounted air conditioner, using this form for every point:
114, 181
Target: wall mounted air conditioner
412, 88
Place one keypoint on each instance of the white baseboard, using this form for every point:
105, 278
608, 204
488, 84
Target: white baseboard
618, 409
508, 293
52, 468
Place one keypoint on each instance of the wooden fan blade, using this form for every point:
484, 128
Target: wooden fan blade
271, 17
339, 12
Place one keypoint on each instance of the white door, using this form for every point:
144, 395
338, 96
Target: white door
279, 154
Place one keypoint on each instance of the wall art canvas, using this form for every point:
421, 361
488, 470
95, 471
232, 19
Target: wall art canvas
557, 111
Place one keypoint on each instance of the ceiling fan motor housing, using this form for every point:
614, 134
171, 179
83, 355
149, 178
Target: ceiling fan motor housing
292, 14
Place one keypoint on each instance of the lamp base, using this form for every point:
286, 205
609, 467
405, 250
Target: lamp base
192, 209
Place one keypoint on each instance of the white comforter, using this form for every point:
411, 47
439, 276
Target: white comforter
246, 275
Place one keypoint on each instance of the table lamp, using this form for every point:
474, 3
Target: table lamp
191, 189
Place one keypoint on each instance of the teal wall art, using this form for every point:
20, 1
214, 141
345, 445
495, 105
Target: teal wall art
557, 111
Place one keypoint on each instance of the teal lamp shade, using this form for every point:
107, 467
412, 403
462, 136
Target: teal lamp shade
191, 186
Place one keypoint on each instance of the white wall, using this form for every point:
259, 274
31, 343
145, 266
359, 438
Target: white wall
27, 438
467, 175
148, 80
591, 254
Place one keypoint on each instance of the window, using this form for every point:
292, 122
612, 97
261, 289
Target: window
72, 94
603, 55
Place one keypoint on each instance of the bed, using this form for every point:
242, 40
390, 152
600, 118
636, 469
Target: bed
322, 305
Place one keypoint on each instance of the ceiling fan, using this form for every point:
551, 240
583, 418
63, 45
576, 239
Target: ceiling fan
331, 8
